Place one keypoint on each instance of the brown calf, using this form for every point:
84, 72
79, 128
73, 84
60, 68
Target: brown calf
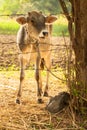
33, 39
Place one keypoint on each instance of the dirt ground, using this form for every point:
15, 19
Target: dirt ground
29, 115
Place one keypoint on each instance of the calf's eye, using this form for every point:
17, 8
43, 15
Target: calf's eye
32, 21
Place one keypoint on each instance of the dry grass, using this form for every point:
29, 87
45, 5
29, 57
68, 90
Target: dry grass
29, 115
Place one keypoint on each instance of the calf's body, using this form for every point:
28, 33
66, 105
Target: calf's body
33, 40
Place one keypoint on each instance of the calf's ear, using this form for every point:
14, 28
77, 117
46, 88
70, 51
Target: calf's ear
50, 19
21, 20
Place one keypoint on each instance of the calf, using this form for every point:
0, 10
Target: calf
33, 40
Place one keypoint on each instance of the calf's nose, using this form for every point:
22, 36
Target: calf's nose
45, 33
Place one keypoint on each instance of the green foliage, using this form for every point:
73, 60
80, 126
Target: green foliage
47, 6
9, 7
22, 6
59, 30
8, 26
60, 26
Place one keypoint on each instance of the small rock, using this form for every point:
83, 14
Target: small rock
58, 102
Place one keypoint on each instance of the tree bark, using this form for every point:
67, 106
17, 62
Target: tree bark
79, 43
80, 49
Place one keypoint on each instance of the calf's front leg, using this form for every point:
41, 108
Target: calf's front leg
39, 85
21, 80
38, 77
48, 67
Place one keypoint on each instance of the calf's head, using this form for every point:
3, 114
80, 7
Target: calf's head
36, 23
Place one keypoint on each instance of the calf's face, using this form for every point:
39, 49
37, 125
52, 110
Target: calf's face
36, 23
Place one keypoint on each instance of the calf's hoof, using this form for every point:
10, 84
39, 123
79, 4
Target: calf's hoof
17, 101
40, 101
45, 94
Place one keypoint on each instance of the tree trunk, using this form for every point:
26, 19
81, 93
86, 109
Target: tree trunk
79, 43
80, 49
